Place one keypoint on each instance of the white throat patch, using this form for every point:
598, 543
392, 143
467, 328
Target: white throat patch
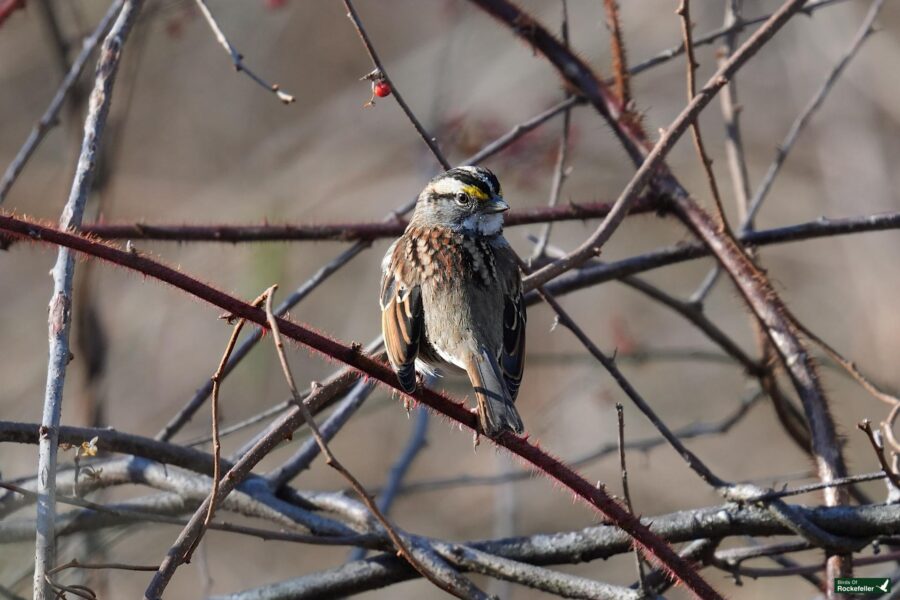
489, 224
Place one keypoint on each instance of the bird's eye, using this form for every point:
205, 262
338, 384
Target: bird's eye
462, 198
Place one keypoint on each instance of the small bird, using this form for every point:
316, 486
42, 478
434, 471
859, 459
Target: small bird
451, 295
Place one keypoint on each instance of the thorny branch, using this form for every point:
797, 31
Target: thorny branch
619, 56
684, 11
366, 232
543, 462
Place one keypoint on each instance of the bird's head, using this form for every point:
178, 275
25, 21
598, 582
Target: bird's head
467, 199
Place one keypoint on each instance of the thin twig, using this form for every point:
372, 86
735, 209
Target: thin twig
688, 311
579, 75
717, 34
76, 564
849, 366
866, 29
50, 117
693, 430
417, 442
310, 449
796, 128
878, 448
757, 572
402, 547
237, 59
684, 11
620, 417
731, 114
559, 170
376, 62
60, 321
214, 406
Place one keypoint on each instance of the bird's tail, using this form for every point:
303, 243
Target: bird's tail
496, 410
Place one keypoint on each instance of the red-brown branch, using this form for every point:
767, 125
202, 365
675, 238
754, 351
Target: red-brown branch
334, 231
621, 77
8, 7
653, 546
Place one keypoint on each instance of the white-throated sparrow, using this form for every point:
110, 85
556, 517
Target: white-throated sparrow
451, 294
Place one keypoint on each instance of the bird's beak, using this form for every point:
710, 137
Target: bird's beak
496, 205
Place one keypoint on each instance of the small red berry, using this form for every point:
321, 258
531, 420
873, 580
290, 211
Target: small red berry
382, 89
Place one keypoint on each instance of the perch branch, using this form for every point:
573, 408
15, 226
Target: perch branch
593, 496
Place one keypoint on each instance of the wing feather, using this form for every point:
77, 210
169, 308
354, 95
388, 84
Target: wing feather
512, 358
402, 323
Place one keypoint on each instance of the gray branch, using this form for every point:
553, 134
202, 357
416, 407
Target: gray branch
59, 323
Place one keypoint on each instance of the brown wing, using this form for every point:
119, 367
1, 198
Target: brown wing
512, 358
402, 322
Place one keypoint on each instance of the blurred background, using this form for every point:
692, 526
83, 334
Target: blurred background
191, 141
